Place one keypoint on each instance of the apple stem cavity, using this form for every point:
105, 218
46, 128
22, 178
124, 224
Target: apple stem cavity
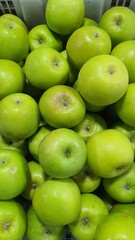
6, 225
96, 35
85, 221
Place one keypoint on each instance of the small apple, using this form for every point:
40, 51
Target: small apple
93, 211
126, 52
57, 202
62, 106
85, 43
12, 78
45, 67
116, 225
89, 22
35, 178
119, 23
19, 116
122, 188
109, 153
91, 124
103, 80
41, 36
13, 174
128, 208
64, 17
36, 230
12, 220
62, 153
125, 106
35, 140
14, 43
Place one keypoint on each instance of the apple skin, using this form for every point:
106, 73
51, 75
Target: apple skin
119, 23
128, 208
116, 226
125, 106
13, 220
45, 67
13, 174
25, 115
109, 153
89, 22
121, 188
57, 202
64, 17
85, 43
41, 36
62, 153
36, 176
12, 78
14, 43
125, 51
62, 106
93, 211
36, 230
106, 80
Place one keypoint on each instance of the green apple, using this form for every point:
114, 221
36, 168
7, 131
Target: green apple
35, 178
89, 22
20, 146
86, 180
103, 80
19, 116
41, 36
57, 202
128, 208
126, 52
64, 17
14, 43
126, 130
119, 23
121, 188
116, 226
62, 153
91, 124
36, 230
85, 43
93, 211
12, 220
35, 140
12, 78
109, 153
13, 174
45, 67
62, 106
125, 106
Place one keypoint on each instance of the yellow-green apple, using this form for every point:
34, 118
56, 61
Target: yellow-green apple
19, 116
57, 202
86, 180
126, 130
12, 78
64, 17
121, 188
93, 211
90, 124
116, 226
36, 176
85, 43
128, 208
45, 67
36, 230
126, 52
41, 36
103, 80
62, 153
125, 106
35, 140
14, 43
109, 153
13, 220
13, 174
62, 106
118, 22
88, 22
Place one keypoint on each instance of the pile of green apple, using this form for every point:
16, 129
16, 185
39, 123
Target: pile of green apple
67, 125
